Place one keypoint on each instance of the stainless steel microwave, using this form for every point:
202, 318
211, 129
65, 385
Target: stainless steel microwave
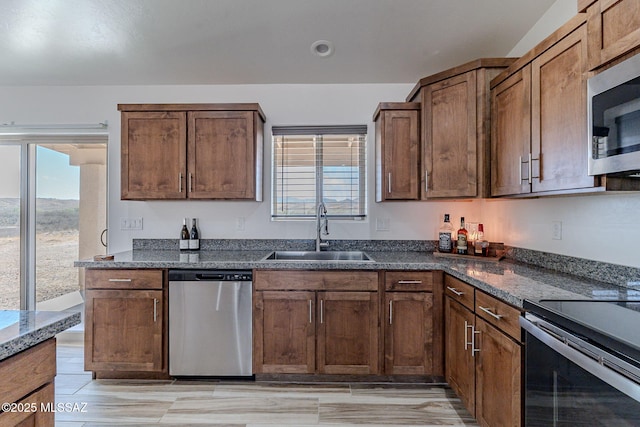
614, 119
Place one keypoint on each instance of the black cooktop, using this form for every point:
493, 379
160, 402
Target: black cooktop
611, 325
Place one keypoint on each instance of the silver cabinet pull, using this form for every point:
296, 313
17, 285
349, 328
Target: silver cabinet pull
321, 311
531, 160
180, 182
455, 291
391, 312
389, 183
155, 310
491, 313
409, 282
190, 182
426, 181
467, 343
520, 168
120, 280
474, 350
530, 169
310, 311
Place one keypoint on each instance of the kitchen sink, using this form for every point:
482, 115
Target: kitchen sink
340, 256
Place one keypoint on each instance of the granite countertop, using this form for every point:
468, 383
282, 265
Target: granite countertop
508, 280
20, 330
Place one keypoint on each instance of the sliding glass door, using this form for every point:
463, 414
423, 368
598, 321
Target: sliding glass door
56, 216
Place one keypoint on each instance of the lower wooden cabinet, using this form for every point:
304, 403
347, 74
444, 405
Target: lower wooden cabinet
483, 354
125, 329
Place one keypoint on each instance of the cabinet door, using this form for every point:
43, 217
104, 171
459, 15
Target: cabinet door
400, 142
498, 378
284, 332
559, 116
511, 134
449, 137
153, 155
408, 333
348, 333
41, 413
614, 29
459, 360
221, 155
124, 330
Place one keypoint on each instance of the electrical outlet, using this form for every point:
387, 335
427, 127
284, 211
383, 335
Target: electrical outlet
129, 224
556, 230
382, 224
240, 223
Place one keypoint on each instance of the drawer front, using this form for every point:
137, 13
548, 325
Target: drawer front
499, 314
459, 291
27, 371
400, 281
296, 280
123, 279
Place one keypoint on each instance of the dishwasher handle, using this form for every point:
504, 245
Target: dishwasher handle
210, 276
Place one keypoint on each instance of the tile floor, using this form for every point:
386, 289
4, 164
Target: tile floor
245, 404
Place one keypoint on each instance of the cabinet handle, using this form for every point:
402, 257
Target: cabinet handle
455, 291
491, 313
531, 160
474, 350
391, 312
180, 182
426, 181
190, 182
310, 311
389, 183
530, 169
520, 168
467, 343
155, 310
120, 280
321, 312
409, 282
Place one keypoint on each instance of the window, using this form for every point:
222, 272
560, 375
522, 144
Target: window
313, 164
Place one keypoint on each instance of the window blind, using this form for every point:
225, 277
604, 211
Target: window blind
313, 164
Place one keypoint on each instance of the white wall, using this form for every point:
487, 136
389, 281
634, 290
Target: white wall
283, 105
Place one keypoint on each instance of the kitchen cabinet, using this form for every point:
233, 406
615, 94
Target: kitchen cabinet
322, 322
125, 323
397, 151
538, 139
191, 151
413, 330
613, 28
28, 382
483, 353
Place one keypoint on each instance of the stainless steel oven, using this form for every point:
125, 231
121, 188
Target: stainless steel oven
582, 363
614, 119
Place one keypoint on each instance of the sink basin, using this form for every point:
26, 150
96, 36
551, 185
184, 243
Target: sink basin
340, 256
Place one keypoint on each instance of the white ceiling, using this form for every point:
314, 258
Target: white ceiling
105, 42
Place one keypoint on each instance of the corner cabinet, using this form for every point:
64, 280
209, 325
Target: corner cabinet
191, 151
126, 324
483, 354
397, 151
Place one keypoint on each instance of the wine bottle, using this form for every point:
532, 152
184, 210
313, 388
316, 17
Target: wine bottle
462, 238
477, 248
194, 240
445, 242
184, 236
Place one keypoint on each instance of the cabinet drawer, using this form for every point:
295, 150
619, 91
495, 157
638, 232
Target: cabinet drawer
124, 279
296, 280
459, 291
408, 281
499, 314
27, 371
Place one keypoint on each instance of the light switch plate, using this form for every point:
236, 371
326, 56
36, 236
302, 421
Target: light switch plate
382, 224
556, 230
131, 224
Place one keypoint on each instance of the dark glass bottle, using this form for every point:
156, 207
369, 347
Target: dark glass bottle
184, 236
463, 235
194, 240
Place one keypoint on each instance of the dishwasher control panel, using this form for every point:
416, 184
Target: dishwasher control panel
210, 275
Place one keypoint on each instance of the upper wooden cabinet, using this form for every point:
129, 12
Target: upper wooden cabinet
613, 27
397, 151
455, 129
194, 151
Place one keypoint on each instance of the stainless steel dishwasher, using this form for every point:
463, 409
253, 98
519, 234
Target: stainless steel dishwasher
210, 323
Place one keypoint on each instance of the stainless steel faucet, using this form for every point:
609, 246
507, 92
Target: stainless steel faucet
320, 213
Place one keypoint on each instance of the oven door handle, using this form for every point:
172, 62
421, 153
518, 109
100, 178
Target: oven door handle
597, 368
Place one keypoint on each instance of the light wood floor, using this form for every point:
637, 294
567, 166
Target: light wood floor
240, 404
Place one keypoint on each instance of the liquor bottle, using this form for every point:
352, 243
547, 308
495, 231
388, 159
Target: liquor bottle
184, 236
194, 241
462, 238
445, 233
477, 247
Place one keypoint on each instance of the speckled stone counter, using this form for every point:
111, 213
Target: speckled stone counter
508, 280
20, 330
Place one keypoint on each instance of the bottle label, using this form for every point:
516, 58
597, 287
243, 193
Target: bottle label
184, 244
444, 242
462, 242
194, 244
